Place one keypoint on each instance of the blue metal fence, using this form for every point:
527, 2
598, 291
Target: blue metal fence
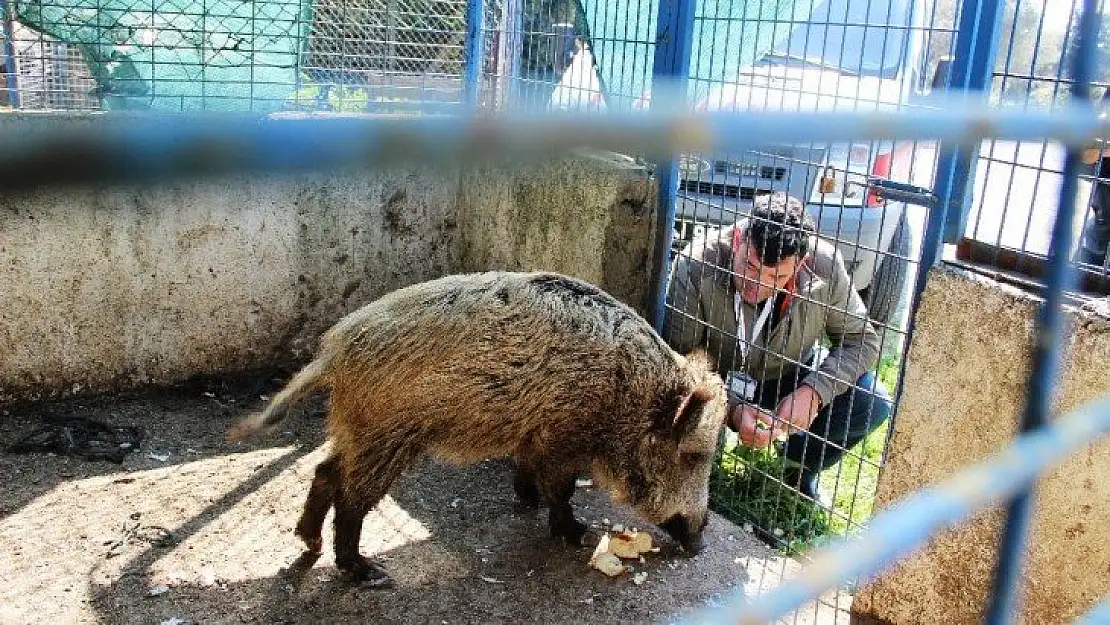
726, 104
475, 51
153, 151
1007, 212
1098, 615
670, 71
1049, 335
905, 526
980, 20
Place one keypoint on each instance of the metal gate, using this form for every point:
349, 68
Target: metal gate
1014, 185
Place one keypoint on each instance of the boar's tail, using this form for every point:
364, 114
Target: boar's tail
302, 384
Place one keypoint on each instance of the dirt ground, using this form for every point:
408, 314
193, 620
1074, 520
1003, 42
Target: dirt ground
205, 535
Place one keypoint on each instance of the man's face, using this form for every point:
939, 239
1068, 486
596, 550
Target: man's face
755, 281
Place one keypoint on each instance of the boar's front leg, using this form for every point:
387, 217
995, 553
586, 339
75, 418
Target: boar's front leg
557, 488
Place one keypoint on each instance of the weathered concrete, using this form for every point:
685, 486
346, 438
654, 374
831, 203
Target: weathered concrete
588, 215
109, 288
965, 386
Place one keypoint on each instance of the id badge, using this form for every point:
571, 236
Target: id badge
741, 385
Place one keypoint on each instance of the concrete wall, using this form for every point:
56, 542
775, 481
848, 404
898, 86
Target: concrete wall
108, 288
599, 227
964, 389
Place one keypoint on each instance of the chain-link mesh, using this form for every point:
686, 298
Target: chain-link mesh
1014, 192
48, 74
181, 55
263, 55
387, 51
349, 40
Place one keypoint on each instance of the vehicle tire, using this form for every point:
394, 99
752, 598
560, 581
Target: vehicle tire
884, 295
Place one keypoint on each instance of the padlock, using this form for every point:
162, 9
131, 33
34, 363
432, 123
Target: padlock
827, 184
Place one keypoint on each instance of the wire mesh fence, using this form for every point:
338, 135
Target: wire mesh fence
837, 320
838, 326
793, 263
1013, 201
349, 56
51, 74
864, 204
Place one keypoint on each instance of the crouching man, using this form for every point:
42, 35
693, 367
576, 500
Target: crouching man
760, 295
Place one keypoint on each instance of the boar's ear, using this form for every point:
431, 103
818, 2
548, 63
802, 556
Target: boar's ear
689, 410
700, 360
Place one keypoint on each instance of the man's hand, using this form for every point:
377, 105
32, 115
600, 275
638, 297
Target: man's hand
758, 427
753, 425
797, 410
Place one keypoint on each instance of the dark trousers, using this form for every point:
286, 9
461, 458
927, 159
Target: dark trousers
839, 426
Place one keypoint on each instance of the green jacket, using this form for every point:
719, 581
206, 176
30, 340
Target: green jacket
825, 305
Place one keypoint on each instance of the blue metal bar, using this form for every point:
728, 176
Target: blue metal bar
904, 527
475, 52
976, 47
10, 78
1049, 334
513, 19
671, 68
1099, 615
151, 148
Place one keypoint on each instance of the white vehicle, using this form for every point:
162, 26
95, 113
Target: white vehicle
830, 62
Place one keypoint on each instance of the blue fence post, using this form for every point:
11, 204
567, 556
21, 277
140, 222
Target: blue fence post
475, 52
1099, 615
670, 70
1048, 337
976, 48
510, 52
10, 78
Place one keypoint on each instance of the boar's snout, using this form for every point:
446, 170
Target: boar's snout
688, 531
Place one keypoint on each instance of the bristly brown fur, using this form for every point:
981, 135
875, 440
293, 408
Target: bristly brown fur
547, 369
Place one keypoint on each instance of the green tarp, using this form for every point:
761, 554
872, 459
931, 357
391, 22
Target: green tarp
216, 55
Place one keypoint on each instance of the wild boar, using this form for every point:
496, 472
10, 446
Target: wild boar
545, 369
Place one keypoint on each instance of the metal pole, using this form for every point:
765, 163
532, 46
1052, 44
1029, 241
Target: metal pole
976, 47
508, 54
1048, 337
11, 78
145, 149
475, 52
673, 46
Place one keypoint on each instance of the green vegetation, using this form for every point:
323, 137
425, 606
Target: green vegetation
746, 487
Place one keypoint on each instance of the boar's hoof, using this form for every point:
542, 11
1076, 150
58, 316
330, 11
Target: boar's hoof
694, 545
314, 544
364, 573
574, 532
524, 503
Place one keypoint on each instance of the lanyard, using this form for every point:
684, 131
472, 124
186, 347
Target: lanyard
742, 332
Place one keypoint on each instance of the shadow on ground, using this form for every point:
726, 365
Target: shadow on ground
206, 535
